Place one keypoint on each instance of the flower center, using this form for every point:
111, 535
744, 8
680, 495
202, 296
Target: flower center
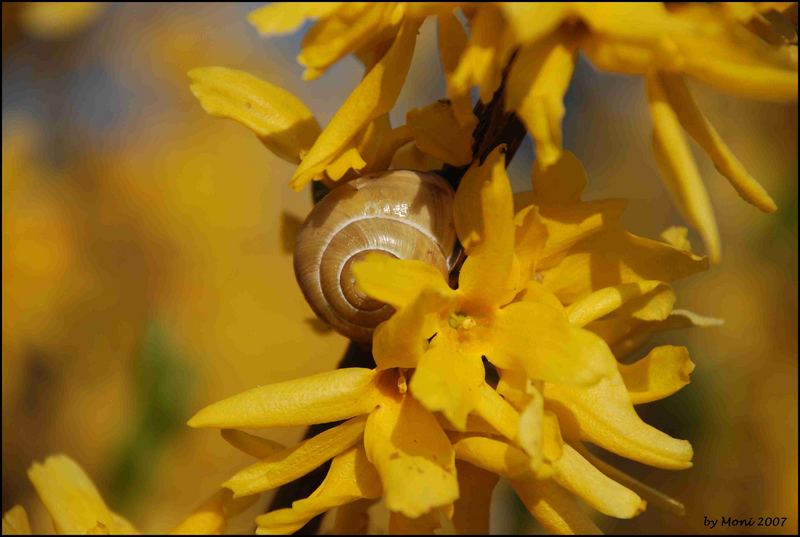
461, 321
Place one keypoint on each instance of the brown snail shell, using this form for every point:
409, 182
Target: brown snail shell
406, 214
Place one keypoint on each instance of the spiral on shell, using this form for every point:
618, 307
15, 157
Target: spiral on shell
405, 214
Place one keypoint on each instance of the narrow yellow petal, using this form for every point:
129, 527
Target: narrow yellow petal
652, 496
612, 257
287, 17
537, 83
560, 183
609, 299
494, 456
530, 21
485, 225
577, 475
437, 133
679, 169
251, 444
603, 414
452, 43
398, 282
497, 412
413, 457
351, 477
472, 509
664, 371
554, 508
281, 121
569, 224
409, 157
745, 80
374, 96
539, 339
211, 517
348, 29
290, 464
485, 56
531, 428
72, 500
432, 523
529, 241
447, 380
321, 398
701, 130
15, 522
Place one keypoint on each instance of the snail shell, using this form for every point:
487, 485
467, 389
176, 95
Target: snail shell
406, 214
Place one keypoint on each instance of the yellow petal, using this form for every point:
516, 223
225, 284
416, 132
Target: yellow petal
536, 292
679, 169
413, 457
409, 157
603, 414
530, 21
651, 495
431, 523
350, 27
612, 257
609, 299
625, 335
72, 500
286, 17
374, 96
485, 225
353, 518
529, 240
745, 80
15, 522
211, 517
497, 412
348, 159
677, 236
577, 475
484, 59
321, 398
664, 371
536, 86
447, 380
541, 340
452, 43
569, 224
555, 509
560, 183
701, 130
290, 464
251, 444
398, 282
531, 428
437, 133
281, 121
472, 509
494, 456
351, 477
401, 340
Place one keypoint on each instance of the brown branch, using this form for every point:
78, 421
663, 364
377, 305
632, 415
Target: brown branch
495, 127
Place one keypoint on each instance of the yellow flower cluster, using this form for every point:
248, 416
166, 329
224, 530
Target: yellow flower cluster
732, 47
548, 294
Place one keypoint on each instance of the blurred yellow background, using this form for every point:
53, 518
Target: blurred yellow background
145, 272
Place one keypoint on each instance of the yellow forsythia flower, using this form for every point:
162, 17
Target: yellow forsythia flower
76, 507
